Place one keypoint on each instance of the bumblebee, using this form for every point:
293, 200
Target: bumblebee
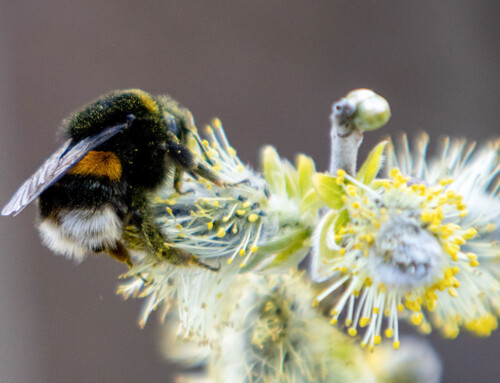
119, 149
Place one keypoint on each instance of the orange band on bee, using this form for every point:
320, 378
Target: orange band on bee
99, 164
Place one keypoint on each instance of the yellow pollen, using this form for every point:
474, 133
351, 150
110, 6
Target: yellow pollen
425, 328
221, 232
470, 233
427, 216
431, 305
253, 217
370, 238
446, 181
389, 332
351, 190
416, 318
450, 331
396, 345
216, 123
395, 173
452, 250
352, 331
490, 227
473, 263
146, 99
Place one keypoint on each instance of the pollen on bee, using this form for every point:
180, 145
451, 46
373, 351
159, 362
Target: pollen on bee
146, 99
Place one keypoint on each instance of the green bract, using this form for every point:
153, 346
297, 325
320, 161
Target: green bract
372, 110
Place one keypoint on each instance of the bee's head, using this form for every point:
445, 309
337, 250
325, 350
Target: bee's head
110, 110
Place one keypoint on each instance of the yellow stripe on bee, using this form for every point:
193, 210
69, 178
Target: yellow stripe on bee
99, 164
146, 99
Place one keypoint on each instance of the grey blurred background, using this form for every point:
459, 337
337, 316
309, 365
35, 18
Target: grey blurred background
270, 70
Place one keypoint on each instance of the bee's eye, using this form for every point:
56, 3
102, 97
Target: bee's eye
172, 124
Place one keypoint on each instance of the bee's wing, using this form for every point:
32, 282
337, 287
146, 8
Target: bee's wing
57, 165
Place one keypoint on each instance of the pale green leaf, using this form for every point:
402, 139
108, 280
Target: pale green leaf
328, 189
281, 244
311, 203
323, 251
306, 169
291, 179
273, 170
292, 252
372, 165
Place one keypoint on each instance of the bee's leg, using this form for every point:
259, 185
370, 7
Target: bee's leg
205, 172
191, 128
186, 161
121, 254
178, 181
158, 245
207, 266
